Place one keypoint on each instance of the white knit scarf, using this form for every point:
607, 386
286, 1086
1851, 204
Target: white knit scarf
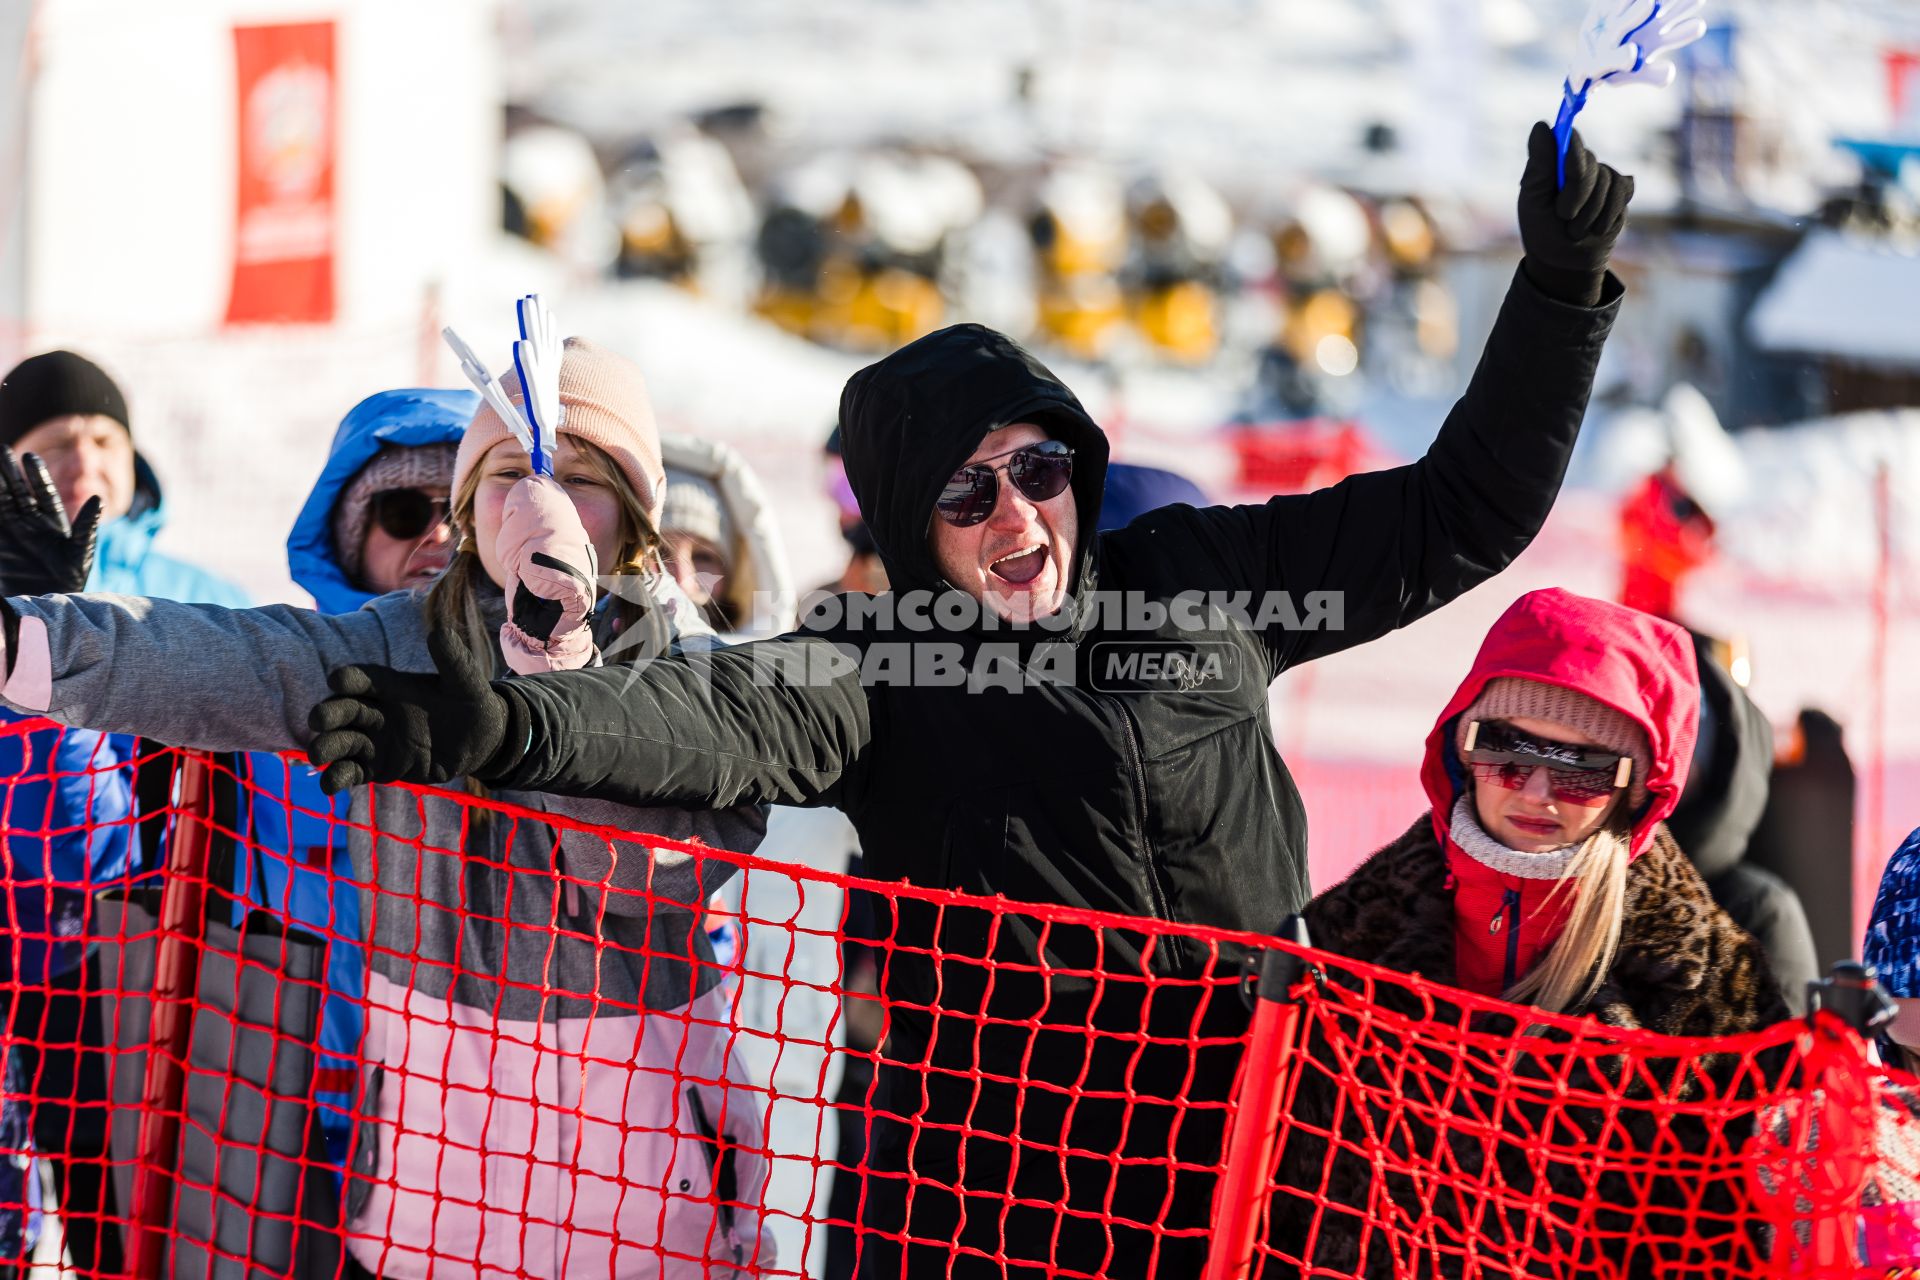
1488, 852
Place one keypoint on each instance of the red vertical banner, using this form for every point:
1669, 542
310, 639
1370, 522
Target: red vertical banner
284, 233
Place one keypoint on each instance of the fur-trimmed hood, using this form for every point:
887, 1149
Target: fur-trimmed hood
760, 587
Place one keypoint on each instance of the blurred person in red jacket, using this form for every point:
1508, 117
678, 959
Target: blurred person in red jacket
1665, 534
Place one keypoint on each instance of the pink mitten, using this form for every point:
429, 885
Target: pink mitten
552, 575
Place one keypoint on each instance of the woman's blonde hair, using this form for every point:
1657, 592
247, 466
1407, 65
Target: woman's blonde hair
453, 603
1577, 962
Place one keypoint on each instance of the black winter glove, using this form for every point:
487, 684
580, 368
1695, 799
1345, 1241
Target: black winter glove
40, 553
1569, 233
383, 725
537, 615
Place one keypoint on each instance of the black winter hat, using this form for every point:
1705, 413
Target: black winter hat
54, 385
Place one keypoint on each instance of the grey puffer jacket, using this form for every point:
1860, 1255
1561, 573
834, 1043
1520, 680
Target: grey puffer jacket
549, 1088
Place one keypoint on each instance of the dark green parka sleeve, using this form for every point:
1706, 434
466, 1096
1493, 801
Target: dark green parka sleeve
781, 721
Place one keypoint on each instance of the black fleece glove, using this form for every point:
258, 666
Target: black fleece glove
40, 553
383, 725
1569, 233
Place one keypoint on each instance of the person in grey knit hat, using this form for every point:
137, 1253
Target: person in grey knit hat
697, 540
390, 526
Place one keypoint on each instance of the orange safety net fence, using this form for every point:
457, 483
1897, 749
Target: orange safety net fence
1425, 1131
432, 1035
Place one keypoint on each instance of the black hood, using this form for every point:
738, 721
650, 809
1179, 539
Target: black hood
909, 421
1732, 771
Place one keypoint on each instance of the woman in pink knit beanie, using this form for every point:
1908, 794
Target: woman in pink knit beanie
550, 542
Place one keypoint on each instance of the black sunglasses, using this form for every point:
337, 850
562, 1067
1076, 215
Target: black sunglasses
1038, 471
1502, 754
406, 514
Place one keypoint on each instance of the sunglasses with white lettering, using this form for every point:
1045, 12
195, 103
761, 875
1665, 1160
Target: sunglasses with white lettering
1502, 754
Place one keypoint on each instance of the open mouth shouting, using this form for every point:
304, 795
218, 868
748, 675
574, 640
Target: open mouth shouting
1026, 583
1019, 568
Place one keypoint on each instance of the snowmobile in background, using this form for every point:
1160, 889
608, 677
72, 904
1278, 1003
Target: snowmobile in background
1413, 329
1181, 230
556, 196
1323, 253
682, 211
1079, 230
853, 250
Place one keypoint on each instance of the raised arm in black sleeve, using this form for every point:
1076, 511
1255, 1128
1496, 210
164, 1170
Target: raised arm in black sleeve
1396, 545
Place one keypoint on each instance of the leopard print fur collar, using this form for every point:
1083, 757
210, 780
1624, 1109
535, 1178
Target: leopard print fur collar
1683, 967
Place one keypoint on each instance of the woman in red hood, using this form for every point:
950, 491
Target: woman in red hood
1542, 876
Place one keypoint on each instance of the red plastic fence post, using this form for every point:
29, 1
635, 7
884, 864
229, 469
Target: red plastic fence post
1256, 1122
1845, 1155
176, 973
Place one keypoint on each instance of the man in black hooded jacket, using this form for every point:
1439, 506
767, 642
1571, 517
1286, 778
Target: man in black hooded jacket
1089, 776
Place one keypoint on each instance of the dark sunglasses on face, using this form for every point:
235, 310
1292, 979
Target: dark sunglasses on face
1585, 776
1038, 471
407, 514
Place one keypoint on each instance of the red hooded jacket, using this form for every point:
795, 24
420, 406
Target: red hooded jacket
1631, 661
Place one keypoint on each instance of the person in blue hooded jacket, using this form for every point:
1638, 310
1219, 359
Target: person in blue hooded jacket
375, 522
69, 794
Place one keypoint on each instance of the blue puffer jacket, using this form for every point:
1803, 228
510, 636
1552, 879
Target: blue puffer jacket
67, 798
295, 860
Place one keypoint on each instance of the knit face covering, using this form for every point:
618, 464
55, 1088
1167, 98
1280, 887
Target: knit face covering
1473, 840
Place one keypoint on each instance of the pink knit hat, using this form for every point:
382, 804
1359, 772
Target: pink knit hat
605, 404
